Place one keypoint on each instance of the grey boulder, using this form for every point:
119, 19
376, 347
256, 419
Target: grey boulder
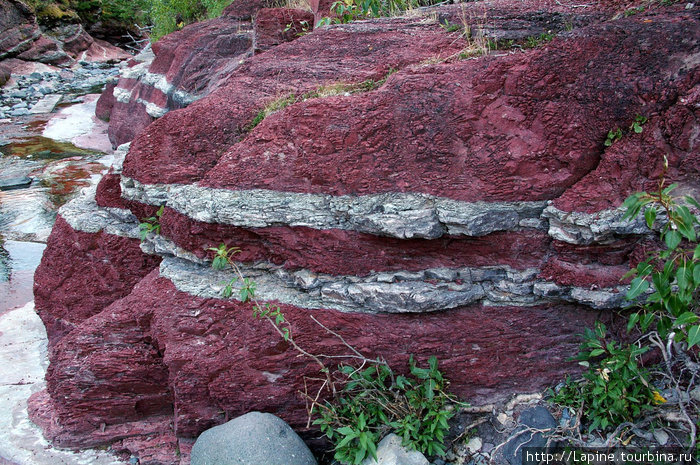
252, 439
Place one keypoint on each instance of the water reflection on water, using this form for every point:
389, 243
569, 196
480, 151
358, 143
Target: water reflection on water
17, 263
58, 171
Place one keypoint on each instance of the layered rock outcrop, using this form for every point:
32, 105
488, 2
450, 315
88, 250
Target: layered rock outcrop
21, 38
189, 64
410, 200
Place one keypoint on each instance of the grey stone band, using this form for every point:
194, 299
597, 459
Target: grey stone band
385, 292
587, 228
400, 292
400, 215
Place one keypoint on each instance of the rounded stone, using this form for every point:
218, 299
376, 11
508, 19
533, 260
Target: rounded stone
252, 439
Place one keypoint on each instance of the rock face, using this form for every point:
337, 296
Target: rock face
23, 39
410, 200
189, 64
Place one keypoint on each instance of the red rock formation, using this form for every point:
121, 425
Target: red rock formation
461, 208
109, 267
274, 26
21, 38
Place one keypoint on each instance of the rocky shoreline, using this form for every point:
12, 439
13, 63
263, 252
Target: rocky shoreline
22, 94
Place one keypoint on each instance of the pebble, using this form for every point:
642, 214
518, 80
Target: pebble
695, 394
661, 436
474, 445
29, 89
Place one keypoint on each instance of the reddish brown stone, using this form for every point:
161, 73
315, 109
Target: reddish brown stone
18, 28
76, 40
245, 9
340, 252
194, 57
5, 74
192, 60
274, 26
45, 50
172, 150
121, 132
520, 127
221, 362
107, 269
109, 195
105, 103
635, 162
103, 52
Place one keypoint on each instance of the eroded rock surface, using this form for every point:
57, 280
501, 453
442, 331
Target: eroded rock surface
412, 201
22, 38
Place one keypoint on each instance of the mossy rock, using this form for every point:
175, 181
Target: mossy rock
54, 13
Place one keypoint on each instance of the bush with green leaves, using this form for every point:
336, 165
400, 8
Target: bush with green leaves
345, 11
672, 308
614, 389
665, 291
374, 402
170, 15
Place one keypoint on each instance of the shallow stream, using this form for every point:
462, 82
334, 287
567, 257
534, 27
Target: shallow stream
41, 168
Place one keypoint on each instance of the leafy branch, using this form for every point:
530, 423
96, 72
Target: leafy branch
372, 401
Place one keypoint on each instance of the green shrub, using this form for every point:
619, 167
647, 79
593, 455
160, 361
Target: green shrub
374, 402
665, 289
614, 389
170, 15
345, 11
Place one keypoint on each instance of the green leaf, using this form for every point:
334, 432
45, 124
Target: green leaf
685, 319
650, 216
668, 190
672, 238
345, 441
693, 336
696, 274
692, 201
360, 455
634, 318
646, 321
683, 277
596, 352
696, 254
346, 430
686, 223
637, 287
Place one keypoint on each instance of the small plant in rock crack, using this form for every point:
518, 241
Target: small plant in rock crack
373, 400
536, 41
302, 29
151, 224
613, 136
616, 134
639, 121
